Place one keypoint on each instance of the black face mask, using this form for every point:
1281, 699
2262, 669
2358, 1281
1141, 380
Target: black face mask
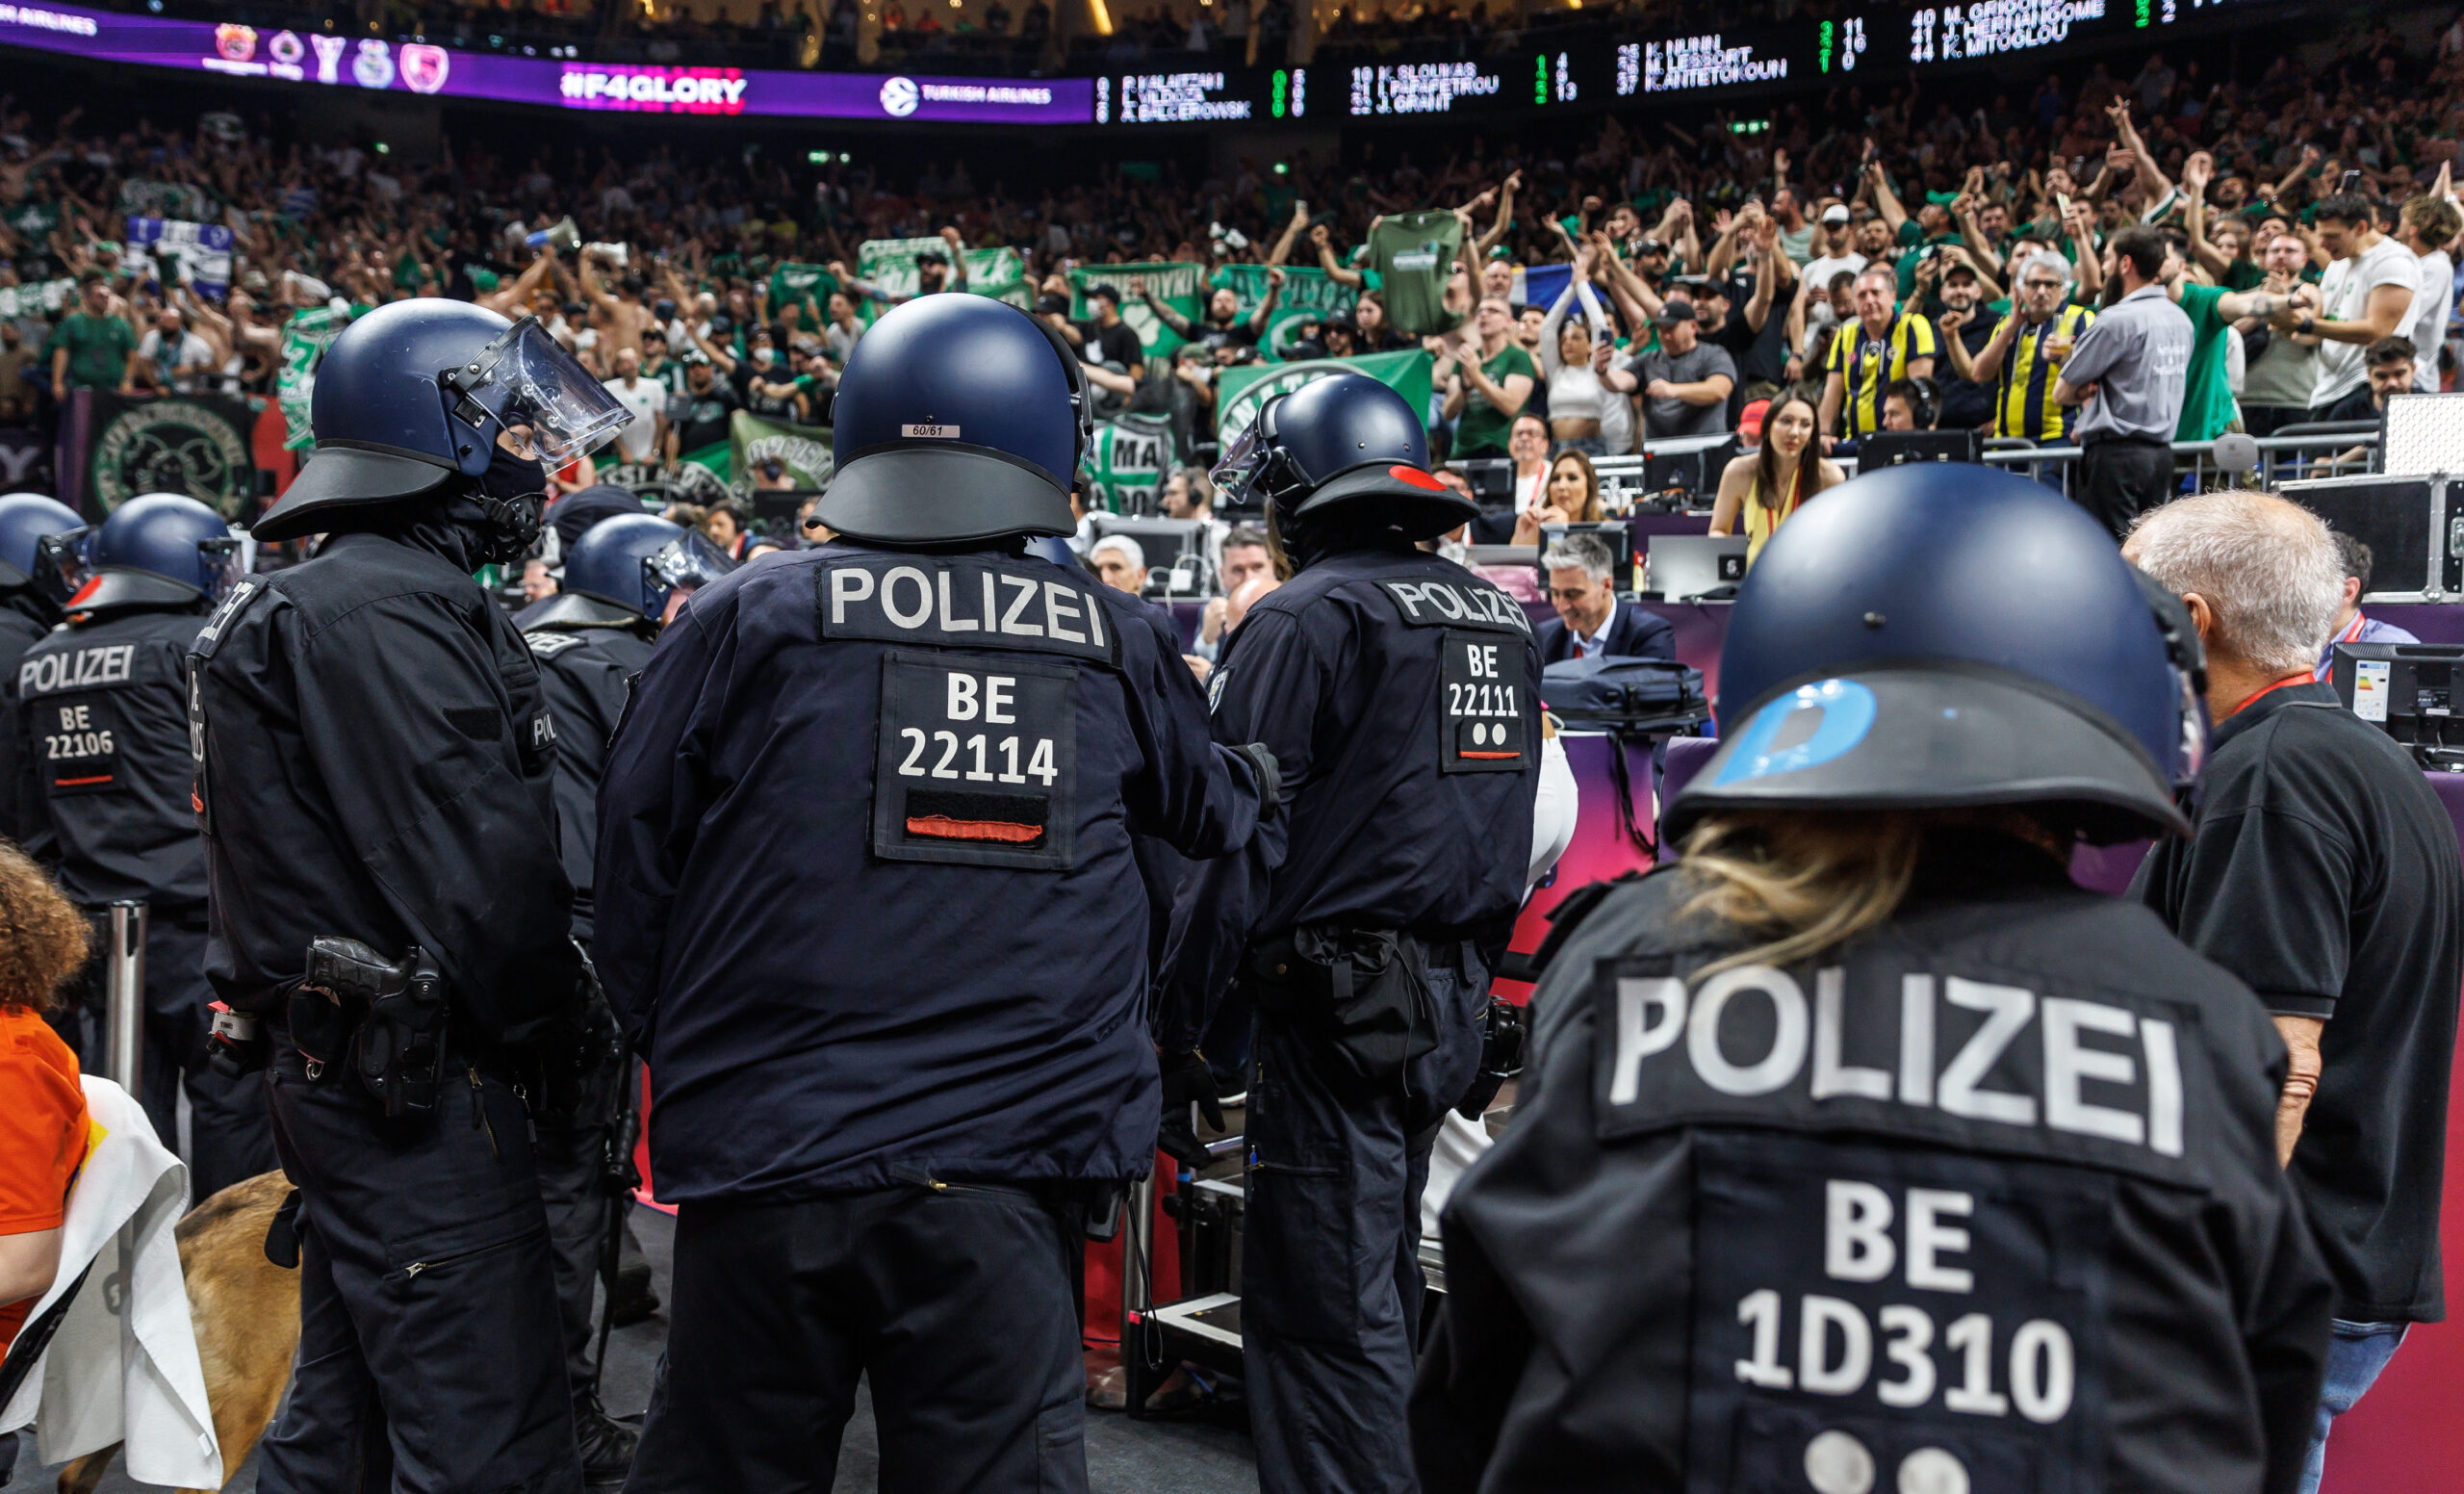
512, 493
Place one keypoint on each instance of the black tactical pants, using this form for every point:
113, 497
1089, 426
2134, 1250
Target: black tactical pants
1331, 1294
2118, 479
429, 1351
958, 1305
573, 1184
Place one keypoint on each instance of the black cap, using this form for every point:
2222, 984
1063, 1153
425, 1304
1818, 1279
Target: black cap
1052, 303
1106, 291
1674, 310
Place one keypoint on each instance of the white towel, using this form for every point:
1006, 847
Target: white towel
123, 1367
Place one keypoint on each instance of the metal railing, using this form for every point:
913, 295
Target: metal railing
124, 999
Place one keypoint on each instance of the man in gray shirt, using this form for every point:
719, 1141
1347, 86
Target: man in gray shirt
2129, 369
1684, 382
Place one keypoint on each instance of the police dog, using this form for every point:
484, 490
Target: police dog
246, 1312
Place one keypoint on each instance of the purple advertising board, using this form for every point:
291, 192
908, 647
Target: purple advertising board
317, 60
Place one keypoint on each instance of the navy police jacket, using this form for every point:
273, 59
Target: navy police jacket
586, 668
1986, 1198
103, 718
1395, 691
867, 894
374, 761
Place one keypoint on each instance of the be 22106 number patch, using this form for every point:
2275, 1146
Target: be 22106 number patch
1484, 704
77, 738
978, 764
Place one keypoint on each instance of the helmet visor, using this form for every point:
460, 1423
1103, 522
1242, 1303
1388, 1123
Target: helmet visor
220, 563
548, 403
64, 562
1236, 475
687, 562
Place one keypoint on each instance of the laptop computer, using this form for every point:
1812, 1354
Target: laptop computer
1683, 567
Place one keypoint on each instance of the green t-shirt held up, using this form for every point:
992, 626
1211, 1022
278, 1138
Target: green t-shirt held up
1482, 428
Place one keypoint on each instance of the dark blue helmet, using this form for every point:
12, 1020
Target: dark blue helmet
1344, 442
25, 520
637, 562
959, 418
416, 393
1931, 636
158, 550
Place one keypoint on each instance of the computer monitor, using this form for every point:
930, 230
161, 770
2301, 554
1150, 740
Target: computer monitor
1175, 549
1616, 533
1491, 480
2411, 691
1692, 567
1882, 449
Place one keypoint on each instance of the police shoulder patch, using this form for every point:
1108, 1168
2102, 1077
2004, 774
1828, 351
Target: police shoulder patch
1456, 604
547, 644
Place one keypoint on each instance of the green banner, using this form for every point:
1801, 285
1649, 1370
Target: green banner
1178, 284
1308, 296
794, 282
303, 342
716, 459
1127, 460
1239, 390
145, 198
889, 265
802, 450
39, 299
33, 219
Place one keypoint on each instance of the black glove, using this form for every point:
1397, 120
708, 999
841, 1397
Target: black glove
1269, 776
1187, 1082
579, 1062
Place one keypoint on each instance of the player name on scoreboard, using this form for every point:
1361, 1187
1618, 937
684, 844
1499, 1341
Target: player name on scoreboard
1705, 62
1418, 88
1179, 99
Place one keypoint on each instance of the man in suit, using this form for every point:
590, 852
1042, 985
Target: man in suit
1583, 587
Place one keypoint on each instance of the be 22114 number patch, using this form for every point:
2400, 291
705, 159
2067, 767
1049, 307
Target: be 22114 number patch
978, 764
1484, 705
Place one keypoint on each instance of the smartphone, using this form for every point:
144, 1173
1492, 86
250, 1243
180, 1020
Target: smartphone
2061, 204
2349, 180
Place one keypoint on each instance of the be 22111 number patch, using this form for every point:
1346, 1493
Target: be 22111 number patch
978, 764
1484, 704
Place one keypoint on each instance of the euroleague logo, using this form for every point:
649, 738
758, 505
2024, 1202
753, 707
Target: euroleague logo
900, 96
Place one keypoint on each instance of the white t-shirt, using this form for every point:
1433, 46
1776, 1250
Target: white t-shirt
1820, 272
2430, 307
191, 352
2343, 294
646, 399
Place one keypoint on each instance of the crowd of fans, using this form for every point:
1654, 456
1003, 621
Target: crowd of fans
1889, 257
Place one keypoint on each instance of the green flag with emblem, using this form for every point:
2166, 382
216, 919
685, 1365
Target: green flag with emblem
1308, 296
1238, 391
793, 282
1178, 284
890, 266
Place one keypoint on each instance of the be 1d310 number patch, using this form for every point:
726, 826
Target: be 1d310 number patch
978, 764
1871, 1320
1483, 705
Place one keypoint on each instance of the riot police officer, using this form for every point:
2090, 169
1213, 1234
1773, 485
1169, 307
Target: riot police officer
26, 613
1397, 690
1861, 1150
374, 777
867, 899
623, 577
103, 718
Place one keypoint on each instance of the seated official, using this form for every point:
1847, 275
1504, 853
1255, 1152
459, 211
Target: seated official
1583, 587
2351, 626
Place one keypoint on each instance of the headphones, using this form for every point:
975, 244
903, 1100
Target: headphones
1926, 404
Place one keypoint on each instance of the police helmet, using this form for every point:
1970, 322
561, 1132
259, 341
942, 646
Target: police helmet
959, 418
1343, 443
158, 550
416, 393
1933, 636
634, 562
25, 520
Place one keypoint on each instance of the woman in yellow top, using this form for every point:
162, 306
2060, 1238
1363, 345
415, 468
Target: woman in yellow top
1759, 489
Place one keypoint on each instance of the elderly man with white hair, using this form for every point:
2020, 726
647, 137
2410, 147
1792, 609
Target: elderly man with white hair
1119, 562
2323, 871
